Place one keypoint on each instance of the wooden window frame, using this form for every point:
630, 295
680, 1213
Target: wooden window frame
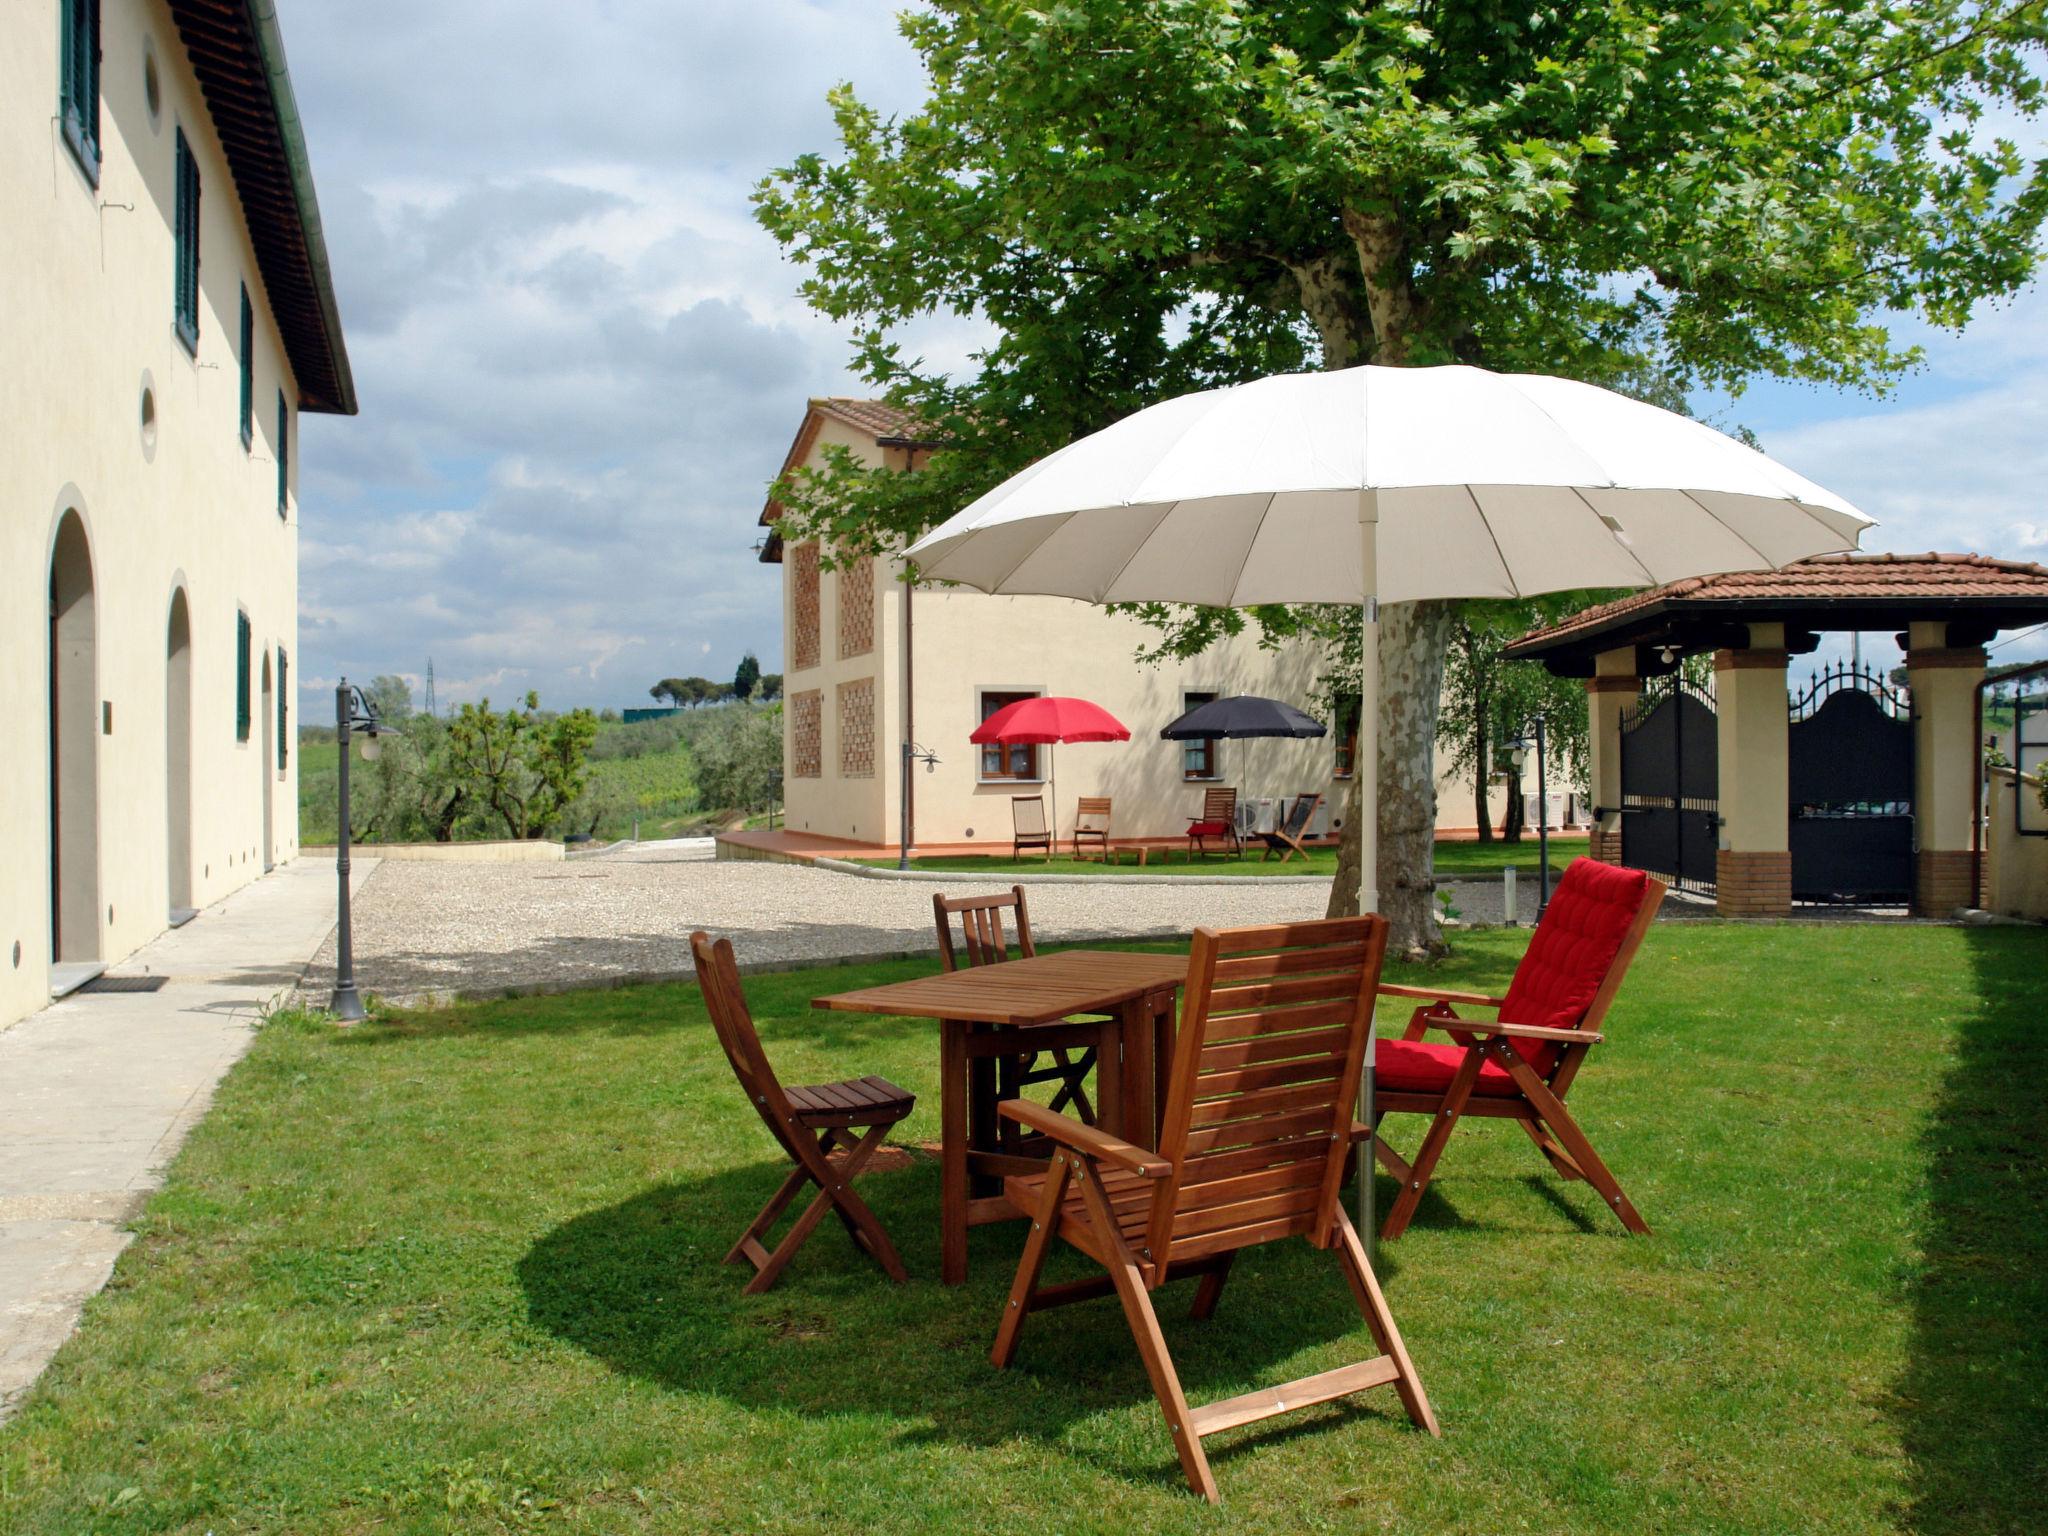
245, 666
1344, 739
78, 83
185, 298
1014, 765
1206, 751
248, 371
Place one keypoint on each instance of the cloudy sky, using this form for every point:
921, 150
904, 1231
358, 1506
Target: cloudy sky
580, 361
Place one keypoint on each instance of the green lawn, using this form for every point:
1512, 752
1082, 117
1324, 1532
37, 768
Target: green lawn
459, 1272
1453, 859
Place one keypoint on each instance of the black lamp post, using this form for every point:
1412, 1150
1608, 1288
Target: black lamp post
1520, 750
912, 753
353, 716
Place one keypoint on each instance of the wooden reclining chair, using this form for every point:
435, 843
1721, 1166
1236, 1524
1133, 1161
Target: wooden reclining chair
1061, 1054
1288, 836
1027, 825
814, 1125
1218, 821
1521, 1066
1257, 1134
1091, 825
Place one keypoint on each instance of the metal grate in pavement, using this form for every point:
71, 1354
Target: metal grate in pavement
125, 984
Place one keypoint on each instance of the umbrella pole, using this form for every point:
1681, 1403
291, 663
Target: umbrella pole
1052, 757
1366, 764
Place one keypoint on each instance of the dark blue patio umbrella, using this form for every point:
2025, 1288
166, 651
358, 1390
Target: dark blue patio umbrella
1242, 715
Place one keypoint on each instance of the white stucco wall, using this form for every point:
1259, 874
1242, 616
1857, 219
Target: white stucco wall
88, 321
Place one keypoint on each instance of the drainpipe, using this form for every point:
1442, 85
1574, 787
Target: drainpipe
2038, 669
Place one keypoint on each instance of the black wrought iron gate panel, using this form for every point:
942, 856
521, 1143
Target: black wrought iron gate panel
1670, 786
1849, 772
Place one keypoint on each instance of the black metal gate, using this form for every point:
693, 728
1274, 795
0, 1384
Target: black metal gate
1850, 774
1670, 785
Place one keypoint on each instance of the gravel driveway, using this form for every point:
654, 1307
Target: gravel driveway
428, 927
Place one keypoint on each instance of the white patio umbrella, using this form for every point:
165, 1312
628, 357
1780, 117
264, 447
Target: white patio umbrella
1381, 485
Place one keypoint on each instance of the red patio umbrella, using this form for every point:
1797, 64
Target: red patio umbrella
1043, 721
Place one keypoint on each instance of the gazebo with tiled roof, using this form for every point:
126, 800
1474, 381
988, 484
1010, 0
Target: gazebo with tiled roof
1944, 608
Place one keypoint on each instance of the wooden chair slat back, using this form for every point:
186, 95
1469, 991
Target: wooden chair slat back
1219, 805
982, 941
1027, 814
1298, 815
718, 977
1266, 1070
1093, 814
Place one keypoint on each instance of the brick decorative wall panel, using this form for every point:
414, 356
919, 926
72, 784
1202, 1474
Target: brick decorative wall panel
1941, 882
803, 582
806, 734
1605, 845
1752, 884
857, 607
857, 729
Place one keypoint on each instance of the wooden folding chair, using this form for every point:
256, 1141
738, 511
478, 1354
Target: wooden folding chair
1218, 821
1288, 836
1521, 1066
1053, 1058
813, 1125
1258, 1120
1091, 825
1027, 825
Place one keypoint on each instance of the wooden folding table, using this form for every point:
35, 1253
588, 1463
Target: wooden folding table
983, 1010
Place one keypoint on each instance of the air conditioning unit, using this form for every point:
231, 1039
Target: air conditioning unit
1255, 815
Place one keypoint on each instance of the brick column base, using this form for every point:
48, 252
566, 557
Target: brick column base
1752, 884
1605, 846
1941, 881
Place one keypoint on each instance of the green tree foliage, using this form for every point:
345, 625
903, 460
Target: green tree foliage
769, 688
738, 758
747, 677
1145, 197
1489, 701
391, 697
525, 767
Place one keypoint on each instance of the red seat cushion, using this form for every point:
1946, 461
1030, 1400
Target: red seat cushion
1573, 949
1208, 828
1424, 1066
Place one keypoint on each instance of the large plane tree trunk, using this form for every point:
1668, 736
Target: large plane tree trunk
1412, 641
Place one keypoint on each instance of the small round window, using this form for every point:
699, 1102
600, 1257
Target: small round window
148, 417
152, 87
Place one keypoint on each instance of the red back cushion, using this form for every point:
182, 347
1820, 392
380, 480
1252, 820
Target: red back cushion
1572, 951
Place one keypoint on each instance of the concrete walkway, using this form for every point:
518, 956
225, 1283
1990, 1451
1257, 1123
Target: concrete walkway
97, 1092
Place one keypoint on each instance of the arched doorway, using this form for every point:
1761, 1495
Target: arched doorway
267, 763
74, 749
178, 757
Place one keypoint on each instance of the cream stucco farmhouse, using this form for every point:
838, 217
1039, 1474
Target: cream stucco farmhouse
870, 663
169, 315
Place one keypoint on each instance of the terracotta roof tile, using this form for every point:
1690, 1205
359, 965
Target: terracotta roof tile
1823, 578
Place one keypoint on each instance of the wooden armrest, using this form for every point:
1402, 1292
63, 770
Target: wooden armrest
1438, 995
1531, 1032
1085, 1139
1465, 1030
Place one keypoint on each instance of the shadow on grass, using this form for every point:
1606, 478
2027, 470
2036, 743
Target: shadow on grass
640, 1286
1974, 1396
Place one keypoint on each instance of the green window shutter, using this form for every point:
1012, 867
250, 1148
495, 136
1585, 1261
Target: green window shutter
284, 735
241, 676
248, 370
284, 451
187, 231
78, 86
